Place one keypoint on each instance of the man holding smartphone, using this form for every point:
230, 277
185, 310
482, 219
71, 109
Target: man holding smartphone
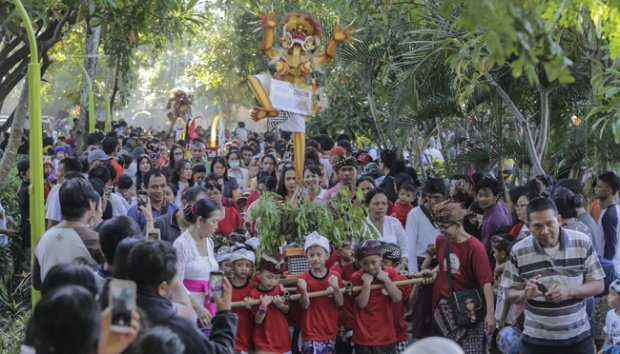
553, 271
155, 182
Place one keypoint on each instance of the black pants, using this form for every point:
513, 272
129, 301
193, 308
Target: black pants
585, 346
386, 349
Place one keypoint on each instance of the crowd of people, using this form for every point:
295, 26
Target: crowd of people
527, 269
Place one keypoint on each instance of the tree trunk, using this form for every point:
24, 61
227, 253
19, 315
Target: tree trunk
520, 118
542, 142
17, 130
375, 118
90, 63
114, 90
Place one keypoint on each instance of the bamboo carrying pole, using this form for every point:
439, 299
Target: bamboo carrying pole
347, 288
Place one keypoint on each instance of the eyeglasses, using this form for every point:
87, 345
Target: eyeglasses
519, 206
443, 227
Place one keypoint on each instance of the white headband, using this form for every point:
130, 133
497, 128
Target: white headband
244, 254
314, 239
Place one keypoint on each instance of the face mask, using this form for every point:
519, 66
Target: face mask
234, 164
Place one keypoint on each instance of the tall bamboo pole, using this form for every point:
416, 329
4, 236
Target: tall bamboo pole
37, 209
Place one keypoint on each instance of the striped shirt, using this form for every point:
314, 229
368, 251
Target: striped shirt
574, 263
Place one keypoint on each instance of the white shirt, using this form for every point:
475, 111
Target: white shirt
243, 178
392, 232
420, 233
52, 205
119, 205
599, 237
612, 327
241, 133
321, 195
327, 166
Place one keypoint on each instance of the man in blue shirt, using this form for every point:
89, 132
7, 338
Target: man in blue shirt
607, 185
155, 182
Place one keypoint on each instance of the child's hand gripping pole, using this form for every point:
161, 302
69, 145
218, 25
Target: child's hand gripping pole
347, 288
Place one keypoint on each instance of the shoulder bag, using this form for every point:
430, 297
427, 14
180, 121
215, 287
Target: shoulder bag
467, 307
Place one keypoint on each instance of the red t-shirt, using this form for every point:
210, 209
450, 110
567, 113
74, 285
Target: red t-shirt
400, 323
118, 169
232, 220
320, 320
333, 257
400, 211
347, 311
245, 322
515, 230
470, 267
374, 324
272, 334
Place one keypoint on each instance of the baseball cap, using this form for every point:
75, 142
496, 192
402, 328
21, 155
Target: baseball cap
23, 166
371, 168
337, 150
98, 154
364, 158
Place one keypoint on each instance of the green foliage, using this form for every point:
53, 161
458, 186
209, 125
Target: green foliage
14, 280
279, 222
12, 331
8, 192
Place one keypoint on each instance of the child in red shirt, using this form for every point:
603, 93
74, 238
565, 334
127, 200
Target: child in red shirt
391, 258
319, 321
346, 266
404, 204
242, 261
271, 333
374, 319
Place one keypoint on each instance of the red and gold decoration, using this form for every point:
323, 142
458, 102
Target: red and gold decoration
179, 112
291, 90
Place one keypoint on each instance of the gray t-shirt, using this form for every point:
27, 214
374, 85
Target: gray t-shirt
59, 245
587, 219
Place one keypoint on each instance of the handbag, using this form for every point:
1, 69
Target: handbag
467, 308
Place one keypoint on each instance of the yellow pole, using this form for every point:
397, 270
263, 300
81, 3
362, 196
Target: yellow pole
37, 209
91, 99
216, 120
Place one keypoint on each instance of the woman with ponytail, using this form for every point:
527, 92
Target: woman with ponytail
567, 203
196, 257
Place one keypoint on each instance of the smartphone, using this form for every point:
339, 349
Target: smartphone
543, 289
216, 284
123, 302
287, 155
154, 235
143, 198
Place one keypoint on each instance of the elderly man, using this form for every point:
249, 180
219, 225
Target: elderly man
552, 272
